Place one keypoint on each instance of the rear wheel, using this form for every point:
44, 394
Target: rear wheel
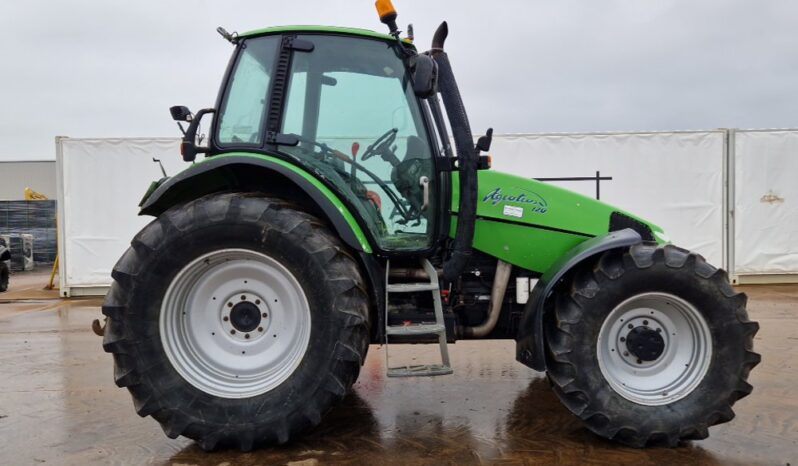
650, 346
236, 320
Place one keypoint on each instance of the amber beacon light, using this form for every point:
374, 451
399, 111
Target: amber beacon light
387, 14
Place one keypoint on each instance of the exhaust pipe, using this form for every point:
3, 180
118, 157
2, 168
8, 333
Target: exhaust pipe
466, 156
500, 281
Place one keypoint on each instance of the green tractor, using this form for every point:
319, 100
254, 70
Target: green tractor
330, 212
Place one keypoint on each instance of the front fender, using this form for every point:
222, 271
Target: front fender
5, 254
530, 344
254, 171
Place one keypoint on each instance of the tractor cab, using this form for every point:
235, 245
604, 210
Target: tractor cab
349, 106
348, 113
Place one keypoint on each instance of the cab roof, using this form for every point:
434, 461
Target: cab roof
318, 29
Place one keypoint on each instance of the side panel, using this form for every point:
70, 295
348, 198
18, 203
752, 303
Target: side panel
531, 224
215, 170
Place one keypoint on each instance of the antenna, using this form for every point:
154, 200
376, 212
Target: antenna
232, 38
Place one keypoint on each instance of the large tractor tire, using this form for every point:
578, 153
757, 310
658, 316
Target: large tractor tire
236, 320
650, 346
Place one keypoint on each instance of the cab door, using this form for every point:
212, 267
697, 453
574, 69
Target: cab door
360, 126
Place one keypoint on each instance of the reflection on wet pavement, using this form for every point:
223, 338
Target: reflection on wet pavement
58, 405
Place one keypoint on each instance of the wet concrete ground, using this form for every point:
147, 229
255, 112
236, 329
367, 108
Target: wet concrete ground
58, 404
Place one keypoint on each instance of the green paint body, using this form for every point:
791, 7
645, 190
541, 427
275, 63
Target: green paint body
529, 223
522, 221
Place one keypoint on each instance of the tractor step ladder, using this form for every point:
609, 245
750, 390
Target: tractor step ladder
438, 328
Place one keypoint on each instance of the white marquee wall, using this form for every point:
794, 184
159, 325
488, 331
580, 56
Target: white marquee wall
100, 183
765, 215
675, 179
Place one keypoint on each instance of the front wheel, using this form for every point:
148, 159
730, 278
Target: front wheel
236, 320
650, 345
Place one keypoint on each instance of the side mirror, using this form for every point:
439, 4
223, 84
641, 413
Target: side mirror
425, 76
188, 147
180, 113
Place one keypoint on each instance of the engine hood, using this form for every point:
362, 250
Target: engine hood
530, 223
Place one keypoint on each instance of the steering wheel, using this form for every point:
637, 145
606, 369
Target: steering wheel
327, 151
381, 144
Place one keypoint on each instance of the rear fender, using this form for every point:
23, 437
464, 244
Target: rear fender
530, 344
259, 173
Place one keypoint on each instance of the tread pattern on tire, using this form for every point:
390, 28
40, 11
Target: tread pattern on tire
125, 329
572, 305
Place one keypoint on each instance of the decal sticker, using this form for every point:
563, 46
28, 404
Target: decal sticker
537, 204
513, 211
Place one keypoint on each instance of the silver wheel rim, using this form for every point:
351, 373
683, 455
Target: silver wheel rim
684, 358
203, 317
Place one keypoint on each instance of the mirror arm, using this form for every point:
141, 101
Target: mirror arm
188, 147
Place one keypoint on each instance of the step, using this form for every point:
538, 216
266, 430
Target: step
420, 371
411, 287
415, 329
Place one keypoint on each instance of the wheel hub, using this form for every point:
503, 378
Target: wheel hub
245, 316
645, 343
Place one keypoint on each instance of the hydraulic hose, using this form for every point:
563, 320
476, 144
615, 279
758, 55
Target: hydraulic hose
466, 156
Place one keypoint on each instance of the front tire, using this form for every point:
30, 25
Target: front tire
236, 320
650, 346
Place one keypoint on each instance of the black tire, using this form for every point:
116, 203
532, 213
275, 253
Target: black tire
330, 279
4, 274
595, 290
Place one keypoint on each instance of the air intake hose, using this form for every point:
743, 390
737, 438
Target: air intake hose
466, 156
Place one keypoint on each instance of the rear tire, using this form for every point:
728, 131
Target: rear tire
680, 368
175, 328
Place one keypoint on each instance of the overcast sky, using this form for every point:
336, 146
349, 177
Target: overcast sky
100, 68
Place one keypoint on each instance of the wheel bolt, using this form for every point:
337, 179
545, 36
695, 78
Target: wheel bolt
645, 322
631, 326
260, 329
225, 318
659, 330
257, 301
243, 298
626, 353
639, 361
229, 304
246, 335
623, 339
232, 332
263, 315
